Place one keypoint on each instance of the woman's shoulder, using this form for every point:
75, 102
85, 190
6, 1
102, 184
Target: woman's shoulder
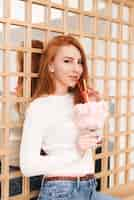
38, 104
39, 99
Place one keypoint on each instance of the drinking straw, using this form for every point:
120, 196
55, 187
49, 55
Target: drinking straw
85, 90
84, 84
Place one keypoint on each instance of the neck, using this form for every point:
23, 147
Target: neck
60, 90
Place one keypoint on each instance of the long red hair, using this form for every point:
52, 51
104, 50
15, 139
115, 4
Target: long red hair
46, 83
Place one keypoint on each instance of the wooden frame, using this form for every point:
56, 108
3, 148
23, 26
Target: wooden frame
114, 48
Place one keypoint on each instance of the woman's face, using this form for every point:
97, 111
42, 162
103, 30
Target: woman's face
67, 67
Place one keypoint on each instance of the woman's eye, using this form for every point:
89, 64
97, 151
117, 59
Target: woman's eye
66, 61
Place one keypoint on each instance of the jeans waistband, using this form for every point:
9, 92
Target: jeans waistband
70, 178
78, 180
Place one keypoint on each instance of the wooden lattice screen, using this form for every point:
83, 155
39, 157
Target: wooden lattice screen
106, 30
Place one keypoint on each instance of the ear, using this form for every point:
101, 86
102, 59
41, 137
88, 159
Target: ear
51, 68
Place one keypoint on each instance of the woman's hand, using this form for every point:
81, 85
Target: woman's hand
90, 95
93, 95
86, 141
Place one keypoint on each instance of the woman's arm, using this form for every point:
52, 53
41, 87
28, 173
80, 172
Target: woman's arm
31, 162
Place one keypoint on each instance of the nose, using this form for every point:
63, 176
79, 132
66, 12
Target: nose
77, 67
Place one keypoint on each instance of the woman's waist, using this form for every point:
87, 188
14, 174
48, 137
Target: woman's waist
66, 172
72, 167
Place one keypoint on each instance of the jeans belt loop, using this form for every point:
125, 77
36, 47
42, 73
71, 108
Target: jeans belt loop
78, 182
43, 179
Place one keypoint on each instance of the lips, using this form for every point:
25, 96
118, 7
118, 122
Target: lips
73, 77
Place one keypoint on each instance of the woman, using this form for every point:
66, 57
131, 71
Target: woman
68, 173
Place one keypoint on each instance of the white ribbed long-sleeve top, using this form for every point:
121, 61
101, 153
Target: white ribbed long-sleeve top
49, 124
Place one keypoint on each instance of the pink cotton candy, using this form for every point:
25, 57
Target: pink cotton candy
91, 115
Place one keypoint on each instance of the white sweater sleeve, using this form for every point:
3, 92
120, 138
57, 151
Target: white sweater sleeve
31, 162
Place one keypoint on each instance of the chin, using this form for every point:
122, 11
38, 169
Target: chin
72, 85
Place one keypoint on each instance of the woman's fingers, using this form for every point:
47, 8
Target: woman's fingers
93, 94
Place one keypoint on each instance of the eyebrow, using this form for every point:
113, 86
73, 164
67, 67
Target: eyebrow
69, 57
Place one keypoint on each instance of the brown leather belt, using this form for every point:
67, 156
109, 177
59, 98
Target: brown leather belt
70, 178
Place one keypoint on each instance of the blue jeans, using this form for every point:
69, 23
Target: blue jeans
71, 190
